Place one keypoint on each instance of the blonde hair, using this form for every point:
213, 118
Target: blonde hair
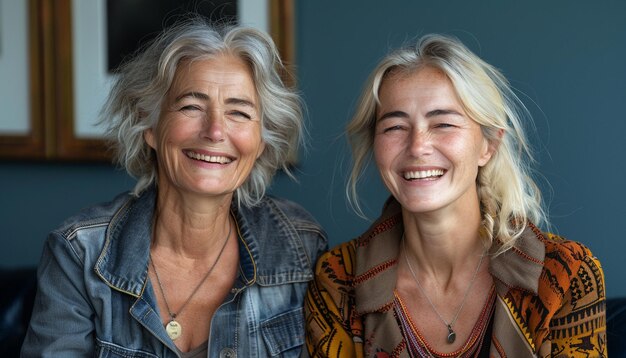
508, 195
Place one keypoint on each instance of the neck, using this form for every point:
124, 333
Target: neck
443, 246
190, 227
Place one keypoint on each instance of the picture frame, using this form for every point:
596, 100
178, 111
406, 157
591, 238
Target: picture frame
23, 123
69, 79
85, 83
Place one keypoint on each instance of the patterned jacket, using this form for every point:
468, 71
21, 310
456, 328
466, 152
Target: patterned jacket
550, 297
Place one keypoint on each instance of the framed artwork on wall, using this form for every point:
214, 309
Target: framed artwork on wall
74, 58
22, 123
104, 32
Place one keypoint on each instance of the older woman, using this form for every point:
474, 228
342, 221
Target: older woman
454, 266
196, 261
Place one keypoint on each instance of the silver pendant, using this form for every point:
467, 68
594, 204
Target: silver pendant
451, 335
173, 329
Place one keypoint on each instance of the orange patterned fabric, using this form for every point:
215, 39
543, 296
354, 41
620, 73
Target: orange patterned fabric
567, 317
333, 329
550, 299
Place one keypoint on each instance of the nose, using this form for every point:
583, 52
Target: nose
420, 142
213, 127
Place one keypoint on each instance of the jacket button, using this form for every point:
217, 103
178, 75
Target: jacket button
228, 353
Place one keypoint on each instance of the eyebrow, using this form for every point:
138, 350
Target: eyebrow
198, 95
240, 102
205, 97
442, 112
429, 114
393, 114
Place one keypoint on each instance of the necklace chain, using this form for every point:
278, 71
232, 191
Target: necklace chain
451, 334
173, 328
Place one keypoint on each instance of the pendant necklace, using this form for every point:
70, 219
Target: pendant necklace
451, 334
173, 328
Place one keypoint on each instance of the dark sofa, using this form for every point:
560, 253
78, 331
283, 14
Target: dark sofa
17, 293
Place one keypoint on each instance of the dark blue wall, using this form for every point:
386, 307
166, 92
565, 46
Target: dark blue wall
567, 58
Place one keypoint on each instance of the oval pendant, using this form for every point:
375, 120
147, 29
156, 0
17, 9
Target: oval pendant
173, 329
451, 335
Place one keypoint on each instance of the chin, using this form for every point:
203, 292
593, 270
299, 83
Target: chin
419, 205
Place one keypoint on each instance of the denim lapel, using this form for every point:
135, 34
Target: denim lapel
123, 262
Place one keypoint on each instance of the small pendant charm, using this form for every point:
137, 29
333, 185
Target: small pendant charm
451, 335
173, 329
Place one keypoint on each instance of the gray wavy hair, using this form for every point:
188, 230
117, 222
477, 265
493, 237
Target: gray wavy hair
134, 103
508, 194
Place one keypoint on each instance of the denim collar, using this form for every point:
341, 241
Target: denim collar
123, 261
271, 251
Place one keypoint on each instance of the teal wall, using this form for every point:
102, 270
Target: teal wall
568, 58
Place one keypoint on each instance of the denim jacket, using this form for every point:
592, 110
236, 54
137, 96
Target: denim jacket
94, 296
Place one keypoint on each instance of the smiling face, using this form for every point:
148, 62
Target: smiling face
427, 149
209, 134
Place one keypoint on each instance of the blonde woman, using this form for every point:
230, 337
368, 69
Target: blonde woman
456, 265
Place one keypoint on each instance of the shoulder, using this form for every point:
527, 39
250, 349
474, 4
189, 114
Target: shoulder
279, 213
556, 244
282, 233
369, 255
573, 266
573, 290
290, 211
336, 267
93, 216
567, 256
81, 236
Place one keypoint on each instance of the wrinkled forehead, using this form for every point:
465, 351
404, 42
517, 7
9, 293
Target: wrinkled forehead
218, 62
227, 73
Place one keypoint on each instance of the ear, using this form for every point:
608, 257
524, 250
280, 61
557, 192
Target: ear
148, 136
489, 148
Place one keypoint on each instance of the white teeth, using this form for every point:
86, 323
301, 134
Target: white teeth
209, 158
422, 174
